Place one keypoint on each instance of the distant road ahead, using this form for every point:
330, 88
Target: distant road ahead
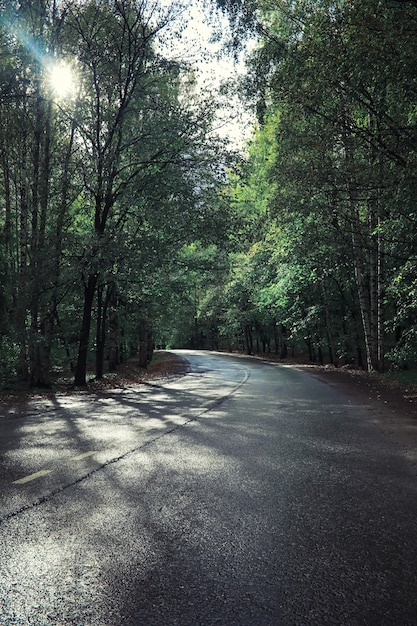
245, 493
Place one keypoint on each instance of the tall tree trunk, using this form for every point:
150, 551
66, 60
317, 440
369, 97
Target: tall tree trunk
103, 303
7, 207
40, 350
380, 297
100, 333
6, 259
361, 286
62, 212
80, 378
22, 287
311, 356
380, 272
143, 344
41, 319
280, 343
114, 353
376, 254
357, 244
329, 329
248, 339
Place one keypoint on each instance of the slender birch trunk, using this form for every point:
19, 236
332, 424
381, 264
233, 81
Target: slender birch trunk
41, 321
356, 228
376, 259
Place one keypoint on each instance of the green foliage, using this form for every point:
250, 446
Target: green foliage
403, 291
9, 354
115, 215
323, 208
98, 194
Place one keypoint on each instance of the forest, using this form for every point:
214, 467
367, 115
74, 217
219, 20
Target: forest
127, 223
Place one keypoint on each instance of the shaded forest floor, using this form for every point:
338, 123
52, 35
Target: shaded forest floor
164, 365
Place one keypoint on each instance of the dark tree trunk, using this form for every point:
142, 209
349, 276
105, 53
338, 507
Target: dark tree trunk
145, 344
21, 288
248, 339
80, 379
329, 326
41, 318
100, 334
310, 350
281, 348
39, 354
319, 350
114, 358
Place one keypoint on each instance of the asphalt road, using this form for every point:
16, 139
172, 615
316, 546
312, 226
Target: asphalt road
245, 493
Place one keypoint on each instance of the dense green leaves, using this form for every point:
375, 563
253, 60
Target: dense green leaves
330, 178
121, 227
99, 191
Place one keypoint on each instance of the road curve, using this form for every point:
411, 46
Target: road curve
245, 493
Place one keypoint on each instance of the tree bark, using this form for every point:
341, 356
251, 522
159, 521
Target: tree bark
361, 286
80, 378
113, 343
100, 333
41, 320
145, 347
329, 329
357, 245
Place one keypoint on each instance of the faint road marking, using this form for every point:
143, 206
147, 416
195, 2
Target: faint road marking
83, 456
34, 476
41, 473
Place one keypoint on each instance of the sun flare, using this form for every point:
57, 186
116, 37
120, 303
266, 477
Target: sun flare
62, 80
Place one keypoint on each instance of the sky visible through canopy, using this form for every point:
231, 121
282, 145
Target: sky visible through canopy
197, 37
202, 44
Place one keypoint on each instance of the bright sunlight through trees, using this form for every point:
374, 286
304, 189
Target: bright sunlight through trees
62, 80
